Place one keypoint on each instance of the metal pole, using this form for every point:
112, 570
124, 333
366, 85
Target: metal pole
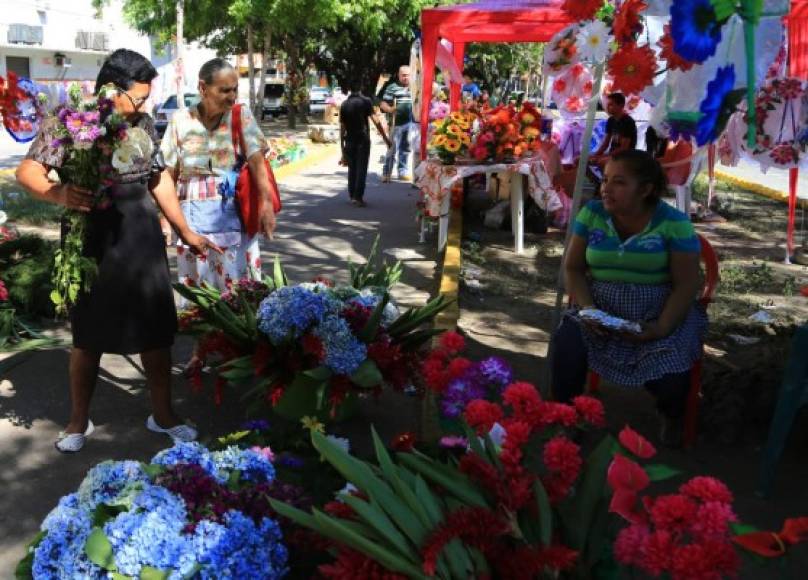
576, 204
180, 69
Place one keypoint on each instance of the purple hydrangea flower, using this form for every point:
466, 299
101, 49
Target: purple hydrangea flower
496, 371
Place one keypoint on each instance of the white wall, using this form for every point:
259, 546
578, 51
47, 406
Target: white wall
61, 20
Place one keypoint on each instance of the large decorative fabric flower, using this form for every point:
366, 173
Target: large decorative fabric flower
675, 62
593, 42
695, 29
716, 106
581, 10
632, 67
627, 24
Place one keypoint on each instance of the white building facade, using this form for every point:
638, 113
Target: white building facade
61, 41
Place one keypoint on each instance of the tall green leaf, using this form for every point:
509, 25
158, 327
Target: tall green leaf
99, 550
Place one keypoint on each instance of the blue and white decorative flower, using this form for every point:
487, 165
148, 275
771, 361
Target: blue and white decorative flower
695, 29
253, 465
714, 105
186, 452
104, 482
343, 351
291, 311
60, 554
240, 549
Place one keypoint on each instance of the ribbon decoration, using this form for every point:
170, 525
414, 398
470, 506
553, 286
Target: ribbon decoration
775, 544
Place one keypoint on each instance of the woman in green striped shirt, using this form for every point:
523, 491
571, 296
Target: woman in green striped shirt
635, 257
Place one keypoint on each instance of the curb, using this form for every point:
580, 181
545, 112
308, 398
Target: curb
318, 155
447, 319
758, 188
450, 278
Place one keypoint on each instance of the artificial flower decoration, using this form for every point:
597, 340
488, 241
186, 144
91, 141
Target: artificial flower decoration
675, 62
627, 24
717, 106
581, 10
593, 41
562, 50
695, 29
632, 67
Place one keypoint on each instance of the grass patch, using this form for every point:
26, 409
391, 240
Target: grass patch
23, 208
26, 265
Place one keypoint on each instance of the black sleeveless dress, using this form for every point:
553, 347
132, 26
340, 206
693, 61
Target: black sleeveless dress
130, 307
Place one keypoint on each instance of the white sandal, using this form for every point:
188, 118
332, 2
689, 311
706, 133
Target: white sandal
73, 442
182, 432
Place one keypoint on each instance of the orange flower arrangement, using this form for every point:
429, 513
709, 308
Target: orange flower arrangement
507, 133
627, 23
582, 9
632, 67
675, 62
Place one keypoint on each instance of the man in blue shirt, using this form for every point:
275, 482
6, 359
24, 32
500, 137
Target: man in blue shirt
470, 87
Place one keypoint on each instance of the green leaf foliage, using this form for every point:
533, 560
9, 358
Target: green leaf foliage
99, 550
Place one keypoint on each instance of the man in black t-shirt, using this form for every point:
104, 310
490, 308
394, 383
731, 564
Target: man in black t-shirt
355, 140
621, 131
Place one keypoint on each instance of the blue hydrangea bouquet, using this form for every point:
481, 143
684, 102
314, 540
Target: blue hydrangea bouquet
189, 513
311, 349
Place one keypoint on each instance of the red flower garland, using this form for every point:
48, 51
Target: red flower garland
627, 25
581, 10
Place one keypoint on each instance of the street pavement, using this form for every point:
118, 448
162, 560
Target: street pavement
318, 232
773, 179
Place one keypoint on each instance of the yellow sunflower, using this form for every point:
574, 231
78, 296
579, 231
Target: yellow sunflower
456, 116
455, 130
452, 145
464, 125
465, 139
438, 140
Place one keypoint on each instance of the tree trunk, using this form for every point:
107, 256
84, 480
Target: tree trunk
251, 64
258, 112
292, 81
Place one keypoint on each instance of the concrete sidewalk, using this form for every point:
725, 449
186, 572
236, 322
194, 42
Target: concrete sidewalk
772, 184
318, 232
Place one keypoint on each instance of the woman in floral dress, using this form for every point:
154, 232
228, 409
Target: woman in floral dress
200, 158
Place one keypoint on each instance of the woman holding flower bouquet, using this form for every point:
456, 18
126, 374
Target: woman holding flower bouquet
200, 158
129, 307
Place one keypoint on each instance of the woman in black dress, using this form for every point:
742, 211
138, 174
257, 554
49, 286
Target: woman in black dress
130, 307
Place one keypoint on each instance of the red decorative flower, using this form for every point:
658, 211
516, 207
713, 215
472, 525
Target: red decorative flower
563, 456
352, 565
632, 67
523, 398
403, 442
459, 366
452, 342
629, 544
712, 521
657, 553
591, 410
705, 488
625, 474
481, 415
675, 62
636, 443
627, 23
313, 346
435, 373
674, 512
560, 85
582, 9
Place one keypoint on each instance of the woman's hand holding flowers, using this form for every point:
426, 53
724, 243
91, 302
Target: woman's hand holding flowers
72, 197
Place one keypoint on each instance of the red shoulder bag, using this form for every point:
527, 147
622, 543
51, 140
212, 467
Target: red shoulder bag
247, 194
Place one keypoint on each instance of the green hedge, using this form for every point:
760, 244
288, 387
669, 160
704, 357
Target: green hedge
26, 265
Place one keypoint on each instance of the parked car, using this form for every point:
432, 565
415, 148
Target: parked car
274, 102
165, 111
317, 99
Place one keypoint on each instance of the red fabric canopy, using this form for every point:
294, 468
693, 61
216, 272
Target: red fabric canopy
485, 21
797, 23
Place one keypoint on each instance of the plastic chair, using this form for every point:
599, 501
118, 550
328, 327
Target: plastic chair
679, 157
711, 277
793, 395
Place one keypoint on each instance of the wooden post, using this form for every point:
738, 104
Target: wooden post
180, 69
576, 204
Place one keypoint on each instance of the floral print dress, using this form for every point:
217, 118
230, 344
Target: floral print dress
201, 159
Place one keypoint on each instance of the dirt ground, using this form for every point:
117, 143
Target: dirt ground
507, 304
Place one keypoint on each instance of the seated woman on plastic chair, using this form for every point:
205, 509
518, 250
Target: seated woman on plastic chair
635, 257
